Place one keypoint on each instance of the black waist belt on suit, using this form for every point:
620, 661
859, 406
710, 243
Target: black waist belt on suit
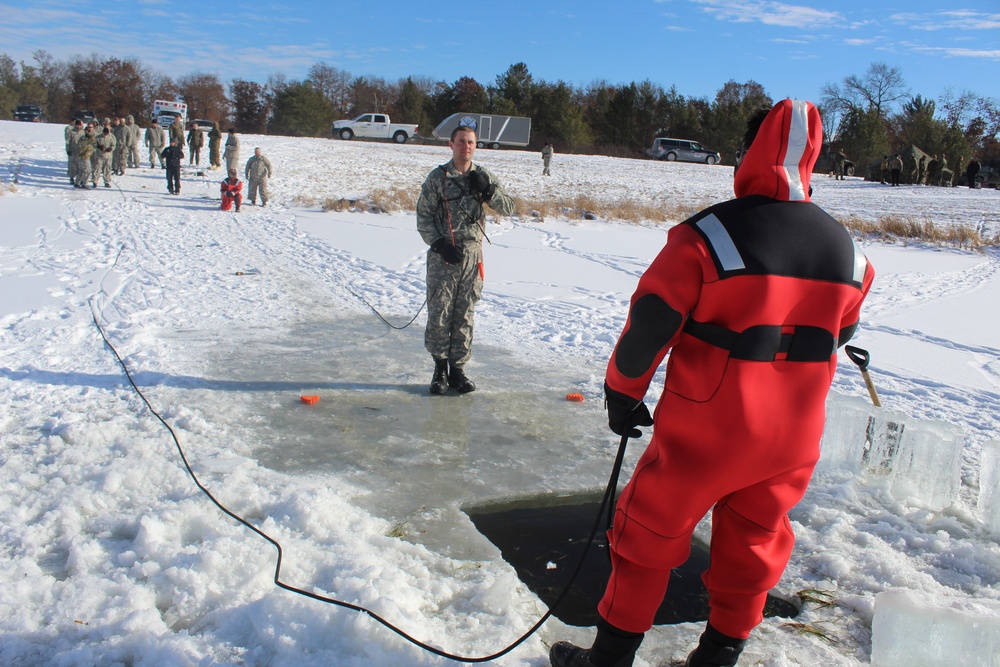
764, 342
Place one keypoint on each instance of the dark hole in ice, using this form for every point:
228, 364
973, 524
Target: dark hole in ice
535, 534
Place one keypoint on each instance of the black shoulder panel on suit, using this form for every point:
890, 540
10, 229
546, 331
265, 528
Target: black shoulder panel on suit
761, 236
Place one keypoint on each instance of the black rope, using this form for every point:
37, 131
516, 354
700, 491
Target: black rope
608, 495
374, 310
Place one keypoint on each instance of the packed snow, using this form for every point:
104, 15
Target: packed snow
114, 556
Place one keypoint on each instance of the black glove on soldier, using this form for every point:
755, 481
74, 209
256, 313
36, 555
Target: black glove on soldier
625, 413
449, 253
480, 183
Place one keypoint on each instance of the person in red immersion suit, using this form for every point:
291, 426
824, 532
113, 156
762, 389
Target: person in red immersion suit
752, 297
232, 191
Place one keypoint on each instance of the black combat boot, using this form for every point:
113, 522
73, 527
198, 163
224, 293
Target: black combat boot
715, 650
612, 648
457, 379
439, 383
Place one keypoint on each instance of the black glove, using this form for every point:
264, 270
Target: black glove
625, 413
449, 253
480, 183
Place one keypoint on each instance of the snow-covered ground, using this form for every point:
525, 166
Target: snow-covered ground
112, 555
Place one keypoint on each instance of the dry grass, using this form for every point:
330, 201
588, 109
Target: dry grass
584, 207
911, 228
904, 228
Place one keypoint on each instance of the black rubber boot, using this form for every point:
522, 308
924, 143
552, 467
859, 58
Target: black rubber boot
612, 648
439, 383
715, 650
457, 379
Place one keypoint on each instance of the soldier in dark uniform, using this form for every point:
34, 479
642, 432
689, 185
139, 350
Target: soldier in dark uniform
173, 155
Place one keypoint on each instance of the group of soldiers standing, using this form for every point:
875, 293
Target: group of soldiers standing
95, 151
99, 150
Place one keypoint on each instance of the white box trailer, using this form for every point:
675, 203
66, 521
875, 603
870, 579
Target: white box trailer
492, 131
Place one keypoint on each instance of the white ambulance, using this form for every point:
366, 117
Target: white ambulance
166, 112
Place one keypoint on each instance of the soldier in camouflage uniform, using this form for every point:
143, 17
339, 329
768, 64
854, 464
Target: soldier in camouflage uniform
155, 139
121, 134
214, 141
104, 148
85, 146
135, 136
72, 137
176, 131
195, 141
232, 152
451, 220
257, 171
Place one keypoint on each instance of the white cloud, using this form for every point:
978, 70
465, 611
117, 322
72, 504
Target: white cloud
769, 12
949, 20
955, 52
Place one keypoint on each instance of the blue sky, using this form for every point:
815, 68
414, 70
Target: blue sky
791, 48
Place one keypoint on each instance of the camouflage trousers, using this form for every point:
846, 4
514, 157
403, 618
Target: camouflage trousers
133, 156
452, 293
82, 171
102, 169
255, 186
154, 156
118, 159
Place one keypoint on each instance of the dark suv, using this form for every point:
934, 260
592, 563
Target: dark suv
29, 112
684, 150
84, 116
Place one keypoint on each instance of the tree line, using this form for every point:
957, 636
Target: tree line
869, 115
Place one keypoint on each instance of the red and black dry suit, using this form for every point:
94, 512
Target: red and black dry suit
752, 297
232, 189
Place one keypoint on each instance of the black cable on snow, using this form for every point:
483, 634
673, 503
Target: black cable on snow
609, 494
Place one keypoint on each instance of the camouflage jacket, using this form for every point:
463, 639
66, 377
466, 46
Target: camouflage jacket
448, 208
106, 143
85, 146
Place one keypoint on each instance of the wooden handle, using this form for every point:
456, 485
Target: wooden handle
871, 389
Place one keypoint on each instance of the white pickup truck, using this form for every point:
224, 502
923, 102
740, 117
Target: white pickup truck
373, 126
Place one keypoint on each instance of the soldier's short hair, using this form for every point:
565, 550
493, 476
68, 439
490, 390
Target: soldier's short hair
463, 128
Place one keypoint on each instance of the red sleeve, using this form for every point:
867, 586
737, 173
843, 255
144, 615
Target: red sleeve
675, 277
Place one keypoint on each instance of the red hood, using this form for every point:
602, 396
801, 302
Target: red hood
781, 159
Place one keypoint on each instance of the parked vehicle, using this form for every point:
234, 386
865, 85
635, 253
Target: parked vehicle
167, 111
826, 163
84, 116
200, 124
491, 130
683, 150
373, 126
31, 113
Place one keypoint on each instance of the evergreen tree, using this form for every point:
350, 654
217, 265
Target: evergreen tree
300, 110
251, 106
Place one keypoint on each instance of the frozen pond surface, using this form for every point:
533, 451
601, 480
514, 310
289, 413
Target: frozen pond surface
416, 460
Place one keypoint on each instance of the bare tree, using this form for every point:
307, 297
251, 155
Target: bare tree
334, 84
876, 90
205, 96
157, 86
55, 78
372, 94
125, 87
